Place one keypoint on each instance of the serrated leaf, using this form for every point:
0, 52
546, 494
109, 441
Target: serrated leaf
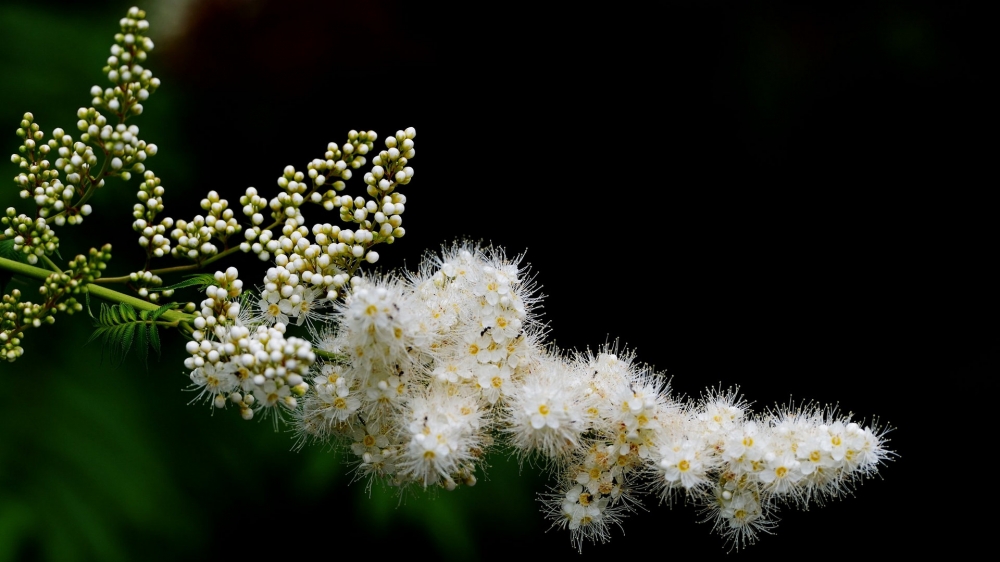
117, 327
7, 250
143, 344
112, 342
154, 339
200, 280
128, 334
159, 311
128, 313
97, 333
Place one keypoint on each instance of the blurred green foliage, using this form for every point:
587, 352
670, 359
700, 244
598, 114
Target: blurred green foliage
104, 462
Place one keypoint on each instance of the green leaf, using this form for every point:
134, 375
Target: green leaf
159, 311
7, 251
128, 313
154, 339
86, 299
128, 335
119, 326
200, 280
143, 337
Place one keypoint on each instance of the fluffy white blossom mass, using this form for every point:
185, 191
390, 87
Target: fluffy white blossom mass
418, 377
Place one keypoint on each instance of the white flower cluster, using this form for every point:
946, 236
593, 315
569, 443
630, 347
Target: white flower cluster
39, 176
375, 220
256, 368
32, 237
421, 376
131, 83
60, 175
194, 239
39, 180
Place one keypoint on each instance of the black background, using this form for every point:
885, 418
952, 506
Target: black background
791, 199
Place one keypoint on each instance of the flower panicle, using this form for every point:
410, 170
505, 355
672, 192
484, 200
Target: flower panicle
439, 366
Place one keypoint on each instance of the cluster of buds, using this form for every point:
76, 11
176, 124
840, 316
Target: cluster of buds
13, 314
308, 269
221, 307
152, 236
258, 369
34, 238
39, 177
80, 271
194, 240
143, 281
131, 84
61, 174
17, 315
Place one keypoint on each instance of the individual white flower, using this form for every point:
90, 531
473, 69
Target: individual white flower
311, 307
214, 379
547, 412
273, 308
379, 320
681, 464
493, 379
341, 403
737, 513
443, 439
269, 396
781, 473
587, 517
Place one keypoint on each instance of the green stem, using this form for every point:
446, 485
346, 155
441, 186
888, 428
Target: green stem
332, 357
51, 265
24, 269
181, 268
96, 290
